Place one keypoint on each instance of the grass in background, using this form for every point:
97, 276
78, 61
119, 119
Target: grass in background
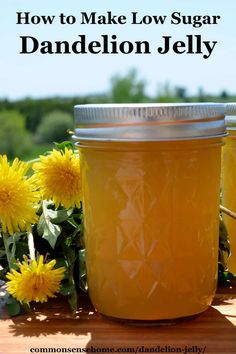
38, 149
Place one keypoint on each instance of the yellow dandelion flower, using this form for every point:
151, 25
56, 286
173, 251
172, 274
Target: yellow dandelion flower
19, 197
36, 281
58, 176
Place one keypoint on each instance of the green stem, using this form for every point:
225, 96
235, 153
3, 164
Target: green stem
228, 212
8, 253
31, 162
31, 245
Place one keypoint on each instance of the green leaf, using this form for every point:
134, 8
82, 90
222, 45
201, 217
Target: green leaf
72, 299
48, 230
82, 271
61, 262
10, 247
74, 223
9, 241
2, 253
64, 144
225, 278
21, 250
82, 264
70, 257
59, 216
66, 289
13, 307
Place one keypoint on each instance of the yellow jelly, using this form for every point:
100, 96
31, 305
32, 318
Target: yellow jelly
151, 226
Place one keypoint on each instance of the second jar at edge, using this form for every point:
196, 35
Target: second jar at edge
229, 187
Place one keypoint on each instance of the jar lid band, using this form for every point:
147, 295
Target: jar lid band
230, 119
149, 122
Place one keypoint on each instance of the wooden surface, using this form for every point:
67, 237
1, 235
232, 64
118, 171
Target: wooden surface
51, 326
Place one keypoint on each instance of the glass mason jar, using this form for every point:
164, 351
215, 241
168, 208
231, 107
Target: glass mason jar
150, 177
229, 181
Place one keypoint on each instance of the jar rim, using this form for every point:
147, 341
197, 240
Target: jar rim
149, 121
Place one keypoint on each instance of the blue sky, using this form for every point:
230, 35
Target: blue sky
37, 75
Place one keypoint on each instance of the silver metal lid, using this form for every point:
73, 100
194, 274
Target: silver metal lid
230, 119
149, 122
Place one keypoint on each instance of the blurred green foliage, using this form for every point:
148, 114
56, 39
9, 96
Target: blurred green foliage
53, 127
128, 89
15, 140
47, 119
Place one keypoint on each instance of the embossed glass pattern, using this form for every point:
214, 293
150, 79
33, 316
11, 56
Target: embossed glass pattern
151, 226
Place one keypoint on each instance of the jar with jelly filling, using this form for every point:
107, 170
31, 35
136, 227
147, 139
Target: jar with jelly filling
229, 181
150, 177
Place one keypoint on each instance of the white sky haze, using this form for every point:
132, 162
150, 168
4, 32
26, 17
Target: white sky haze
42, 75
